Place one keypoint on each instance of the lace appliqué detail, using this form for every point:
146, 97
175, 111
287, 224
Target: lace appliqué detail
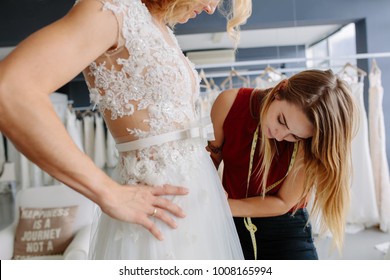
151, 75
149, 82
152, 165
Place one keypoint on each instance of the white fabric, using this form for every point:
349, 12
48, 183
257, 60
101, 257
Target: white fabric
89, 135
8, 172
364, 210
7, 238
24, 172
387, 256
204, 132
383, 247
207, 231
47, 179
148, 88
80, 131
112, 152
100, 143
206, 100
60, 104
73, 129
36, 175
378, 149
79, 247
14, 156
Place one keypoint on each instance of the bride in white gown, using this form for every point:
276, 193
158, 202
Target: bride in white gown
146, 90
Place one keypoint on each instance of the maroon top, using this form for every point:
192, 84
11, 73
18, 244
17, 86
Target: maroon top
239, 128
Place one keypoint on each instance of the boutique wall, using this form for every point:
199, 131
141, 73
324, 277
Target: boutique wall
18, 19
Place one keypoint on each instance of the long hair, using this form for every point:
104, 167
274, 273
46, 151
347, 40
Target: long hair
236, 12
328, 104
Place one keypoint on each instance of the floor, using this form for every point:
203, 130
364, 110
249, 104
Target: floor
357, 246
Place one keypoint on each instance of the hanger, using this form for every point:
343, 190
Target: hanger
233, 73
70, 105
206, 85
214, 86
85, 111
374, 67
267, 71
269, 74
359, 72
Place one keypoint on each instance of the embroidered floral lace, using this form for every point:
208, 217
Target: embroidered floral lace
144, 87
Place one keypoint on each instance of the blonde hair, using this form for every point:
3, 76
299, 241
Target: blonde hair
237, 15
236, 12
327, 102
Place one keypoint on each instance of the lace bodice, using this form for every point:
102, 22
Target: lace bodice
145, 86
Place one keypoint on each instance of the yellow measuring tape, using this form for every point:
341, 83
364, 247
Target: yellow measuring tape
247, 220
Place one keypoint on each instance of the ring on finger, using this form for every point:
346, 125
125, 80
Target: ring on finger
154, 212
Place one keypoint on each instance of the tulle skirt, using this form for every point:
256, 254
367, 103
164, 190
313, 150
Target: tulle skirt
207, 232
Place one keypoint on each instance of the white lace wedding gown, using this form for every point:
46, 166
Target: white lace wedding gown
363, 211
146, 90
377, 137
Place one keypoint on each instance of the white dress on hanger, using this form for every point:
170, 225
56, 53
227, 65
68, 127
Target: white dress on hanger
112, 153
378, 149
364, 210
36, 175
100, 143
151, 97
60, 103
206, 99
89, 135
80, 131
73, 130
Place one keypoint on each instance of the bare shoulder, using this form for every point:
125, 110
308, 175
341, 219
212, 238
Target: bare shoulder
222, 105
90, 28
225, 101
91, 9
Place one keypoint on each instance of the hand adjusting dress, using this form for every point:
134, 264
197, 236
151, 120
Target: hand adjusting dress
146, 90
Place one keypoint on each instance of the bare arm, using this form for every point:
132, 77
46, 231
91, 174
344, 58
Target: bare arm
287, 197
38, 66
219, 111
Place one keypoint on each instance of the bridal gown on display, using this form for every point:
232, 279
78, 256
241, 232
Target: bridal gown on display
364, 210
146, 90
377, 135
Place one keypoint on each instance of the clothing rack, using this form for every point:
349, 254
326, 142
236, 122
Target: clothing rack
84, 108
280, 61
221, 74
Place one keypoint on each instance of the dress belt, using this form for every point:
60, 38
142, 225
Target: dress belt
205, 132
